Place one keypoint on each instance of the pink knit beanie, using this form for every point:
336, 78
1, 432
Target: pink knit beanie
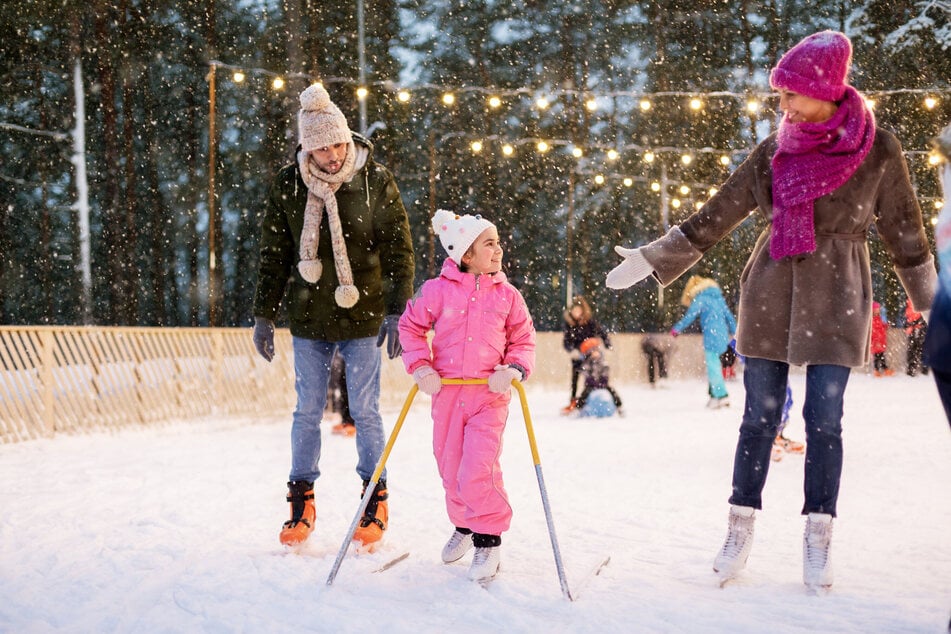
816, 67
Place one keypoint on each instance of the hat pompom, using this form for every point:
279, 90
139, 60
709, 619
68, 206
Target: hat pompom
310, 270
315, 97
440, 218
346, 295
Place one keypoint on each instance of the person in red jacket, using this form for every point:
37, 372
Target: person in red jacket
879, 341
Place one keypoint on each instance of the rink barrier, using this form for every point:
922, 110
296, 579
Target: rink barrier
75, 379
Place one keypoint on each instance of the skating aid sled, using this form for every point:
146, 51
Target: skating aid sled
374, 480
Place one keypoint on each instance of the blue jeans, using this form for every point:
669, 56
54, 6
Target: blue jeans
312, 361
765, 383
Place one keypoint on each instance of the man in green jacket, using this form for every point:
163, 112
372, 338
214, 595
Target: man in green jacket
335, 238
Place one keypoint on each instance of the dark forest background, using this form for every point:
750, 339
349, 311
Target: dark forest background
146, 71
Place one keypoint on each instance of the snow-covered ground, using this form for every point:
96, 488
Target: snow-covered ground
174, 529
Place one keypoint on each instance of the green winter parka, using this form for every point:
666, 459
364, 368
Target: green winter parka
379, 246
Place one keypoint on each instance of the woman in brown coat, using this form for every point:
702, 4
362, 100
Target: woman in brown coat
820, 181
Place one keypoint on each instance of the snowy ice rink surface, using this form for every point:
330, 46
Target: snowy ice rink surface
174, 528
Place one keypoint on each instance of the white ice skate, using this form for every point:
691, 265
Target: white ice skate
739, 540
457, 546
816, 552
485, 564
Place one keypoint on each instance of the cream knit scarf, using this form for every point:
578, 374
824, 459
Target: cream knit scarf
321, 189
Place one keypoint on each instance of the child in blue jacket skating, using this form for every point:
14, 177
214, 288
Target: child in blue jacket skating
703, 299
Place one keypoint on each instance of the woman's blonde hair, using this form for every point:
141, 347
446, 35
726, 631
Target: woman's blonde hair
695, 284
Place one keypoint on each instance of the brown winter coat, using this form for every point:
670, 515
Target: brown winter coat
814, 308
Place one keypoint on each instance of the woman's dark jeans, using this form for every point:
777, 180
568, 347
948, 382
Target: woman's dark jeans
765, 383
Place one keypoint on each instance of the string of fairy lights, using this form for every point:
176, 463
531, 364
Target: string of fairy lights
929, 99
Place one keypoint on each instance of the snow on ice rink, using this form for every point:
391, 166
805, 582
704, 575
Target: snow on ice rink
174, 528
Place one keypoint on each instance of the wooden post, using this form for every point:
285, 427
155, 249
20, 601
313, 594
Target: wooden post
47, 361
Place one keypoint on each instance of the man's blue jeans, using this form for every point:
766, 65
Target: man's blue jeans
312, 359
765, 383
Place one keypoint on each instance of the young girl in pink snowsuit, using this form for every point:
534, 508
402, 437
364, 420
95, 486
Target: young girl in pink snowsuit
483, 330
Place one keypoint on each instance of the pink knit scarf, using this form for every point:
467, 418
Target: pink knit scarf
811, 161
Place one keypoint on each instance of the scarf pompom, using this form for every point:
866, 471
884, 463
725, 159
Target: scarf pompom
310, 270
346, 295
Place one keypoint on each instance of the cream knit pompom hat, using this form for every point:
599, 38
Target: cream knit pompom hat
320, 122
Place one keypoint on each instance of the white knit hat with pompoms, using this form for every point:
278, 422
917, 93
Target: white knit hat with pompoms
457, 233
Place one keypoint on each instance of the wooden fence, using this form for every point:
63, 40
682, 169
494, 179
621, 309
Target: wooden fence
67, 379
79, 379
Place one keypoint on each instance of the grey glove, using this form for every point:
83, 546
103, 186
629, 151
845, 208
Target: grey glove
264, 337
390, 332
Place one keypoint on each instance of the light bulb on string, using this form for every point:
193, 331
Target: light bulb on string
495, 102
686, 159
655, 186
930, 103
278, 83
508, 150
599, 179
542, 147
644, 105
362, 93
591, 104
476, 146
542, 103
696, 104
612, 154
448, 98
577, 152
675, 203
628, 181
752, 106
403, 96
648, 157
724, 160
238, 77
684, 190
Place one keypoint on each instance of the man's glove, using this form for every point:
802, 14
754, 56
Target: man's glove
501, 380
427, 379
632, 270
390, 332
264, 337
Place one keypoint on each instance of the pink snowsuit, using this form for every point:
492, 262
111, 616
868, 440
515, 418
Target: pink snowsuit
480, 321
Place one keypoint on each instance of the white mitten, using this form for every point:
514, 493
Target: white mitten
632, 270
501, 380
427, 379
